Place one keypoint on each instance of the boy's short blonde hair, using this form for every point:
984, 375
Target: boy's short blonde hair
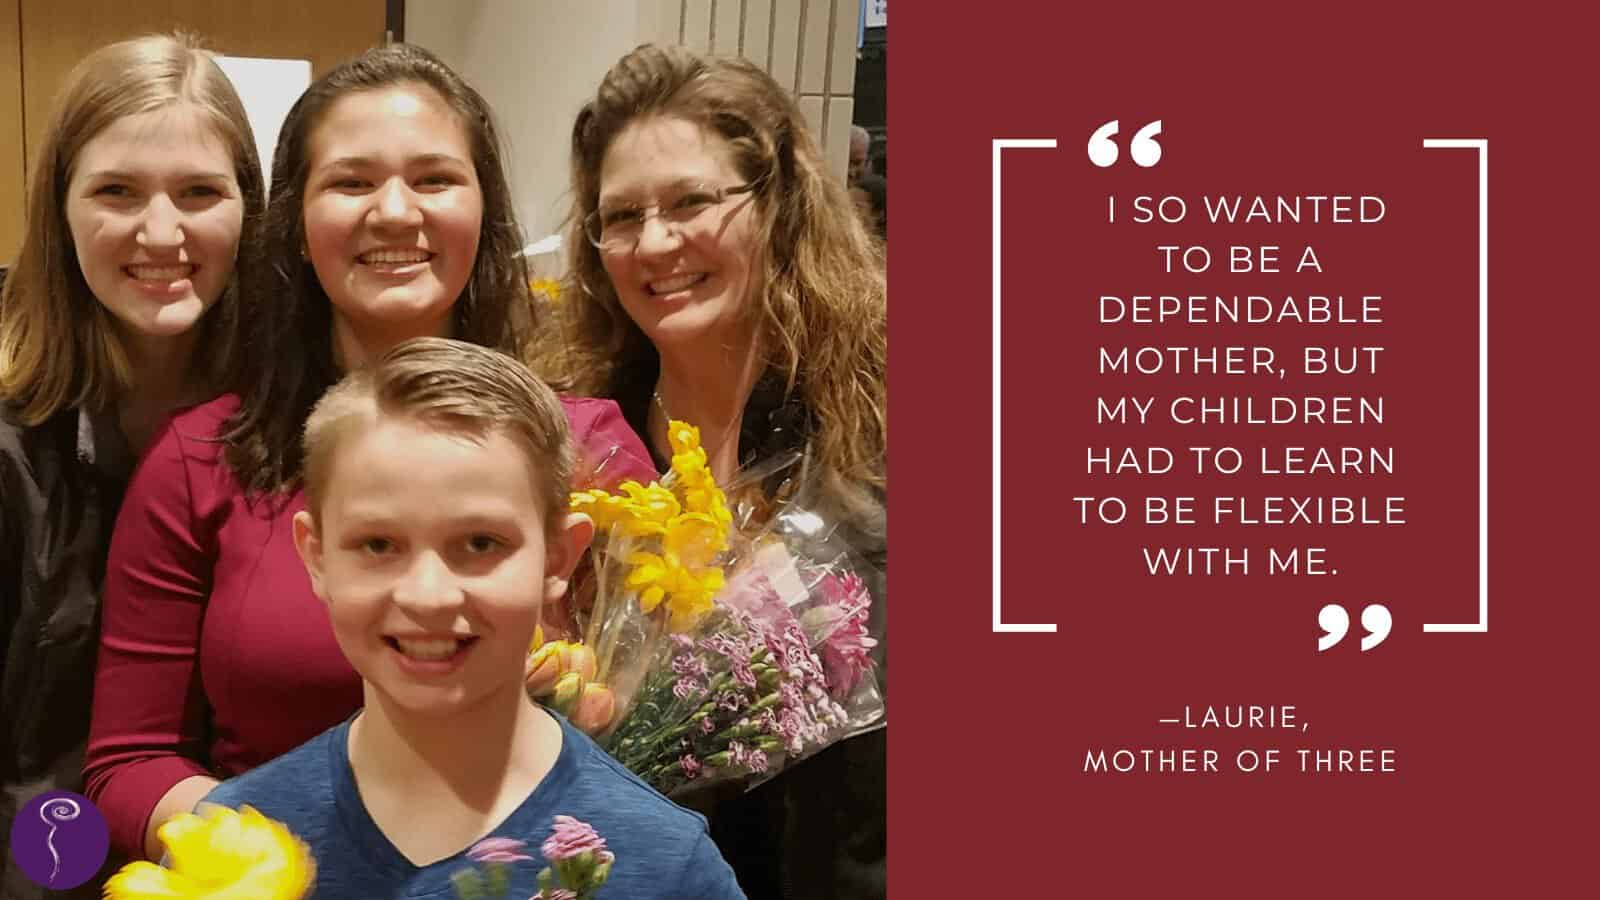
453, 386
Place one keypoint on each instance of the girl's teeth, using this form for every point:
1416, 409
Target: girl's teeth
160, 273
428, 649
394, 256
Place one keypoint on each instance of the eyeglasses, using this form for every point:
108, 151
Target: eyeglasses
618, 229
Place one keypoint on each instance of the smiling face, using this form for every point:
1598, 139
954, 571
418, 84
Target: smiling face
392, 210
432, 555
155, 212
684, 283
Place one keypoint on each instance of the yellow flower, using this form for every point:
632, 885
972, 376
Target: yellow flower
148, 881
688, 512
650, 577
225, 855
633, 525
688, 592
710, 501
682, 436
693, 598
549, 287
694, 539
690, 466
654, 503
603, 508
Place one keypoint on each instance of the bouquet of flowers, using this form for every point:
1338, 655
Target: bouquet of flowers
722, 646
656, 568
220, 854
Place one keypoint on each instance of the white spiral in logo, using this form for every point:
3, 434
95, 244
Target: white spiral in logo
61, 809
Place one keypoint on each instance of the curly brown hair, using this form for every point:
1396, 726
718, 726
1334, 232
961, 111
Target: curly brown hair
291, 345
819, 313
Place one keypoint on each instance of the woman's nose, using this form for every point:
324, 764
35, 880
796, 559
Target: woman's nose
396, 204
162, 224
657, 237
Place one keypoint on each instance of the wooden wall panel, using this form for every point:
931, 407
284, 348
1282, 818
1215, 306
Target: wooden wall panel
757, 45
726, 33
815, 26
57, 33
784, 53
12, 189
808, 46
696, 25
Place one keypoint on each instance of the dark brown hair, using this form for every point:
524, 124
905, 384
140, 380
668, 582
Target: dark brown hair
291, 350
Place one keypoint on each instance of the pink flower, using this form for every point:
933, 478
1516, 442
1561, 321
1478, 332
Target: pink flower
749, 591
846, 646
570, 838
749, 757
690, 666
497, 850
691, 766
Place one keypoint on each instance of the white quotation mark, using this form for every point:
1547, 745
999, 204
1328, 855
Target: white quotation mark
1335, 624
1143, 149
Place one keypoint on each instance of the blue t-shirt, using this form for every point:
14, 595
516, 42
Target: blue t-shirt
662, 850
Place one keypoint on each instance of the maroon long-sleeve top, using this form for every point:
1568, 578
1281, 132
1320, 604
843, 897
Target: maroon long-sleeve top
215, 656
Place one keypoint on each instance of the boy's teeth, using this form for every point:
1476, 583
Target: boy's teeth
668, 285
394, 256
160, 273
428, 649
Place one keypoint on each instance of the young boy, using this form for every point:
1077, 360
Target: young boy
436, 524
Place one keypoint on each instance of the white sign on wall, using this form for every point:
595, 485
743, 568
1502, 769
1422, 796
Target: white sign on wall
268, 87
877, 13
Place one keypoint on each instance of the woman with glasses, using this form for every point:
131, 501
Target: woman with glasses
726, 281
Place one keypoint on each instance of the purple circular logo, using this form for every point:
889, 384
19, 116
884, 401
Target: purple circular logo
59, 840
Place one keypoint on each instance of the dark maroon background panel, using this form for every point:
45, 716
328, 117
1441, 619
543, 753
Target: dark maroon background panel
1493, 733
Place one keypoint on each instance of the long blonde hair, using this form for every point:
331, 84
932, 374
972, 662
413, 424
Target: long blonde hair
820, 311
59, 348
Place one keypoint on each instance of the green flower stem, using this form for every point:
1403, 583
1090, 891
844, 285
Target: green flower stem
603, 573
608, 641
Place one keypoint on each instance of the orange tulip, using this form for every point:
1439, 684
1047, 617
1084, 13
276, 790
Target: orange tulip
544, 667
579, 658
568, 688
596, 707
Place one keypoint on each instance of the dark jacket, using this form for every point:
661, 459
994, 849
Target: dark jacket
819, 829
60, 485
